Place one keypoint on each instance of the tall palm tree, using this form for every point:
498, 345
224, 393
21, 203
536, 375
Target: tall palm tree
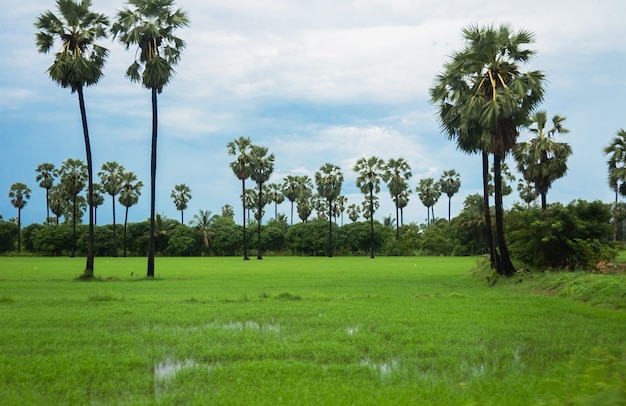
19, 194
228, 211
150, 25
483, 97
371, 172
73, 174
542, 160
403, 201
77, 64
111, 180
181, 195
129, 196
240, 148
354, 212
261, 168
616, 150
526, 191
96, 200
291, 190
397, 176
329, 179
429, 192
58, 200
45, 177
276, 196
450, 183
204, 221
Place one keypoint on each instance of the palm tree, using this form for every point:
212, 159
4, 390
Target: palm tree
482, 98
58, 201
227, 211
276, 196
304, 208
261, 168
45, 177
617, 169
429, 192
203, 221
370, 172
111, 180
150, 25
181, 195
73, 173
291, 190
129, 196
403, 201
450, 183
77, 64
397, 176
19, 194
526, 192
240, 148
541, 159
96, 200
329, 179
354, 211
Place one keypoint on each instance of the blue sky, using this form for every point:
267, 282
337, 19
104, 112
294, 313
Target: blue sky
315, 82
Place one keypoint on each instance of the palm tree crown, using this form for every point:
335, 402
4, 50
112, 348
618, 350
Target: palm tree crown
150, 25
80, 60
541, 159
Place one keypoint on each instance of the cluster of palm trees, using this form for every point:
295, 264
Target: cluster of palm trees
147, 24
251, 161
483, 99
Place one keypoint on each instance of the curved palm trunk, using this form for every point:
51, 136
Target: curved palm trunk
243, 200
153, 163
506, 267
90, 251
493, 258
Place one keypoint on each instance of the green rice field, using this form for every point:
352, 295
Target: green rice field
302, 331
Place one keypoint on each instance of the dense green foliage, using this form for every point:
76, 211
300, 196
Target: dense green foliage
576, 236
292, 330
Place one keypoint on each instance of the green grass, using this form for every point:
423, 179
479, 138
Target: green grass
300, 331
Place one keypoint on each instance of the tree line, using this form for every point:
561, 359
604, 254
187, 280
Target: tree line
483, 98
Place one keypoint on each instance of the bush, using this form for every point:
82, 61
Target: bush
8, 235
561, 237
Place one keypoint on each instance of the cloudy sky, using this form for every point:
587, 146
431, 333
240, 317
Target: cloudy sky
315, 82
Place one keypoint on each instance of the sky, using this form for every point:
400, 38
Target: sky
315, 82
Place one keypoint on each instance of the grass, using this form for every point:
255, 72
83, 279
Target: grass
303, 331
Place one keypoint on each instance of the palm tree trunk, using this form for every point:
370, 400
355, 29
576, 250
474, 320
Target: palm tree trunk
125, 224
506, 267
493, 258
243, 200
19, 230
292, 212
90, 250
153, 163
397, 221
73, 253
371, 221
114, 229
260, 208
330, 228
615, 216
47, 206
449, 207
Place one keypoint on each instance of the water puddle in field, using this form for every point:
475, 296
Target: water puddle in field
251, 325
384, 368
165, 371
